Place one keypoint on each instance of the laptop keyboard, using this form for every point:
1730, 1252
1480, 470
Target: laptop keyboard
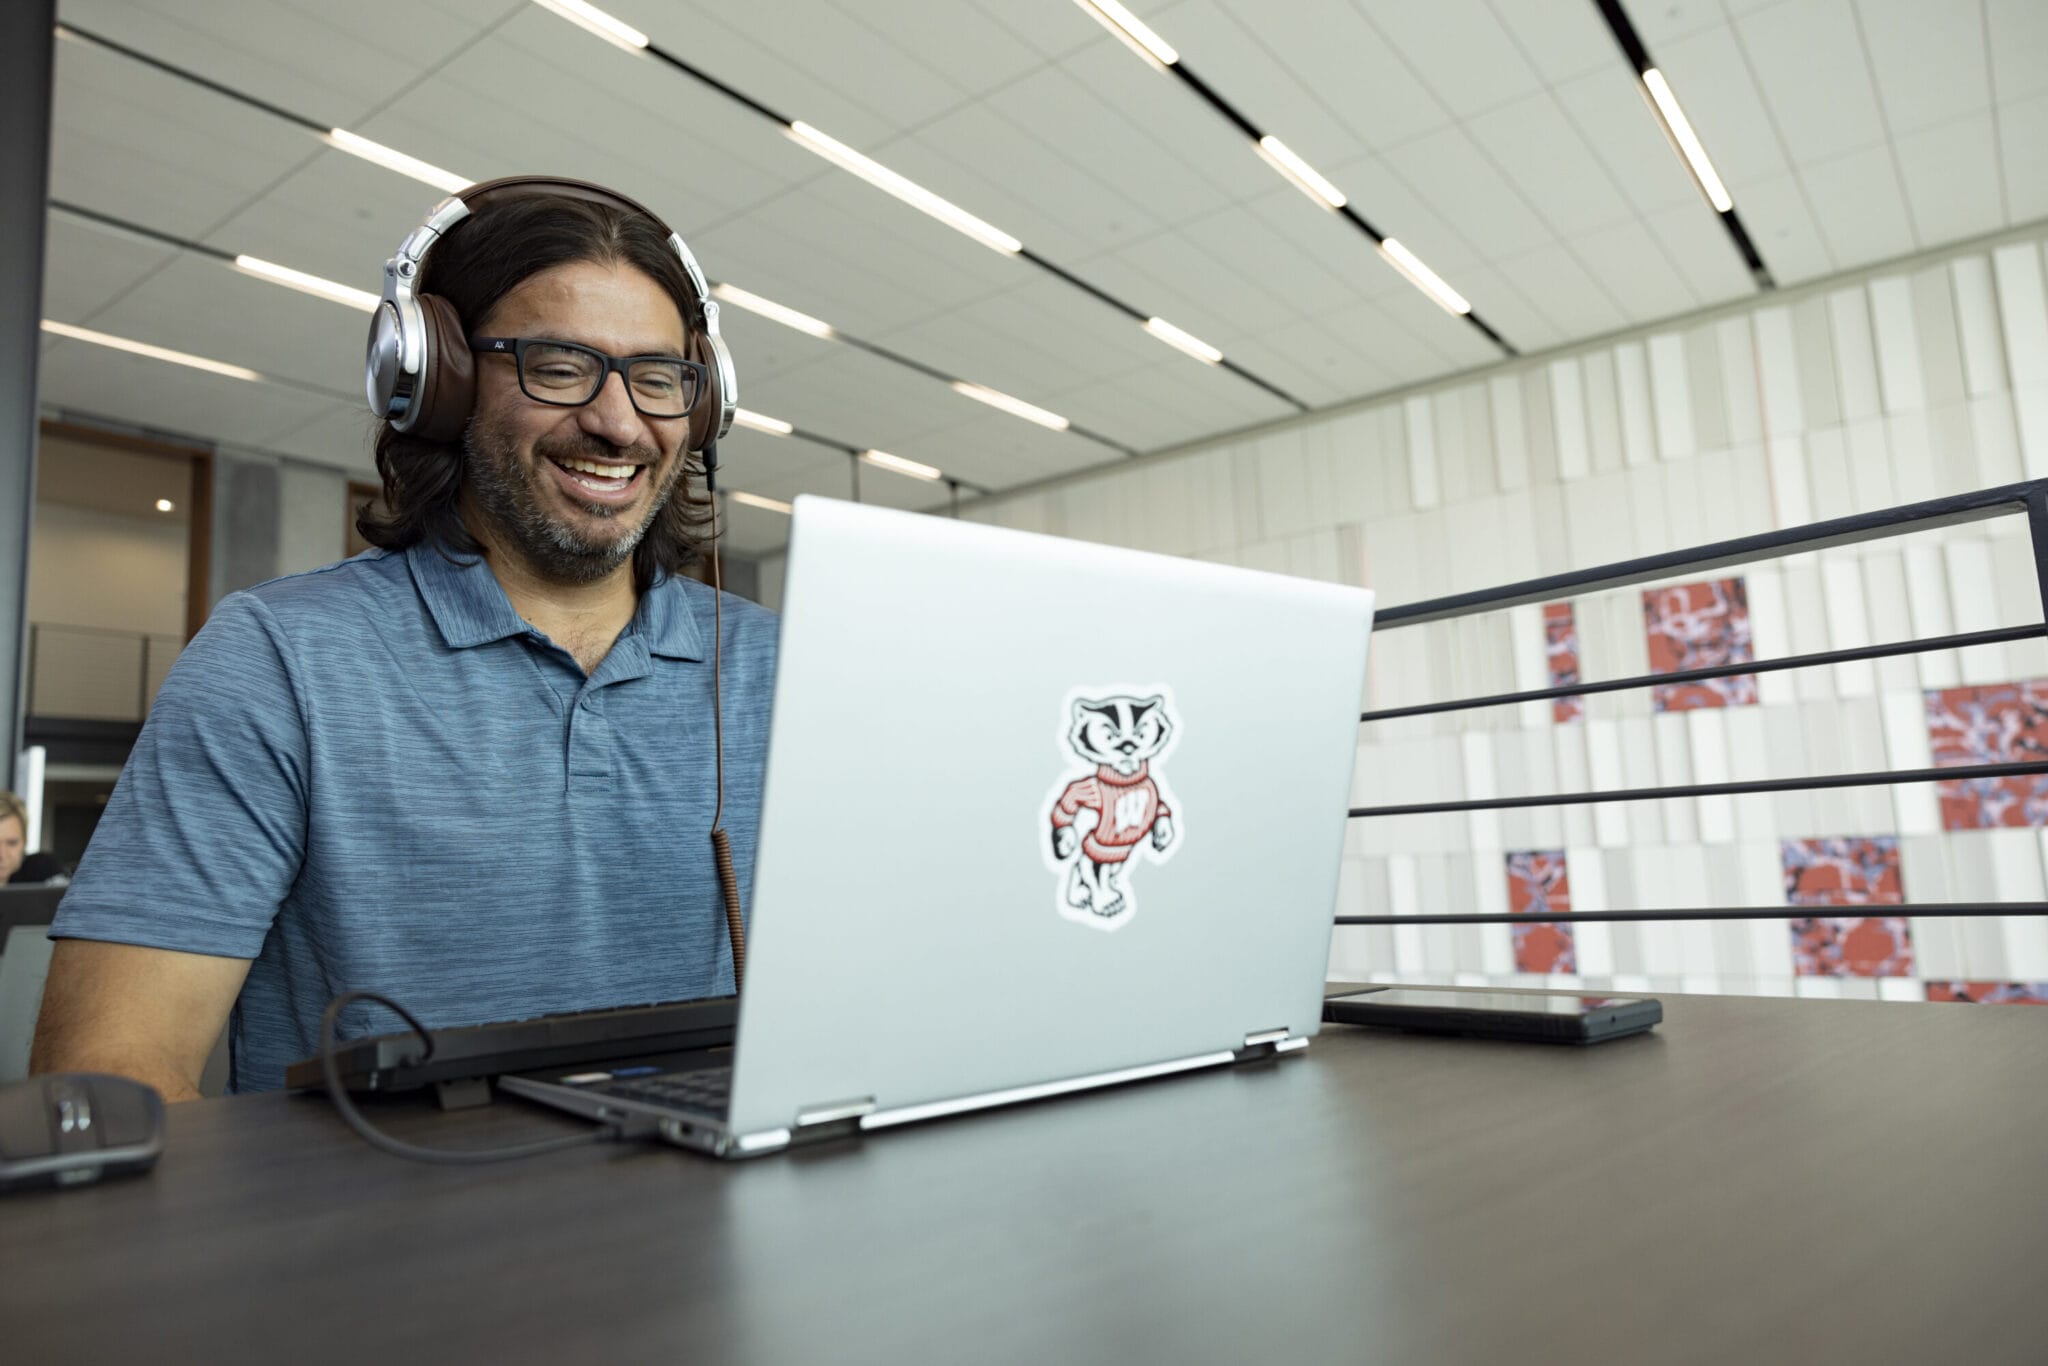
709, 1089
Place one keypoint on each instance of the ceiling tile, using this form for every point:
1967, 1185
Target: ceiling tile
1535, 146
1781, 223
1633, 269
2018, 41
1952, 180
86, 267
1861, 208
1809, 60
1928, 60
1460, 51
2023, 153
1459, 182
1560, 38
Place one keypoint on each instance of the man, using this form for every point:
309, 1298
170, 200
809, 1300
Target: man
471, 769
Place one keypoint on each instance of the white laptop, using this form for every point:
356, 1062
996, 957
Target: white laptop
1039, 816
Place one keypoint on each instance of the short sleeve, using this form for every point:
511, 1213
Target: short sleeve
206, 830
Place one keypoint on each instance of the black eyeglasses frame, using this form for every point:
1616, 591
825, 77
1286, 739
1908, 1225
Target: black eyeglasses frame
515, 347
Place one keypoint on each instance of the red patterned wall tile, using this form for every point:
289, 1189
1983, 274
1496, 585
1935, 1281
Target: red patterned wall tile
1561, 647
1847, 872
1697, 626
1990, 993
1997, 723
1538, 884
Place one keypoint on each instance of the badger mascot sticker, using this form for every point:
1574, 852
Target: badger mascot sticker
1112, 809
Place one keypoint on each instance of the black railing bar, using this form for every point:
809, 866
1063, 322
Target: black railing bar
1930, 910
1974, 506
1964, 640
1644, 794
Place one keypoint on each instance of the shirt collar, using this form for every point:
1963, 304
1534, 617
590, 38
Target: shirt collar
470, 607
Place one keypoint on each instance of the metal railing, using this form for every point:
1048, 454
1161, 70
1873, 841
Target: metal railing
91, 673
2030, 499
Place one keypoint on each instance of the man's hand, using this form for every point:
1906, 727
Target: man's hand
150, 1014
1063, 841
1162, 832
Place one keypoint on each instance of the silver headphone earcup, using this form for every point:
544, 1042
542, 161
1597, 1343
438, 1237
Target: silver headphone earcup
391, 361
728, 385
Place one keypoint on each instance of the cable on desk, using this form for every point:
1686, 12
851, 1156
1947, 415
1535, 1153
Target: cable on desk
612, 1132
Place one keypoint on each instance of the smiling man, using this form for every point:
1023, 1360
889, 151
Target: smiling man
473, 768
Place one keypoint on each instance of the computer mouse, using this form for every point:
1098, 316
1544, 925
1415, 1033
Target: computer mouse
72, 1128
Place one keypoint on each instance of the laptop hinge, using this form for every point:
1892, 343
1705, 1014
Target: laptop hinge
1264, 1043
834, 1119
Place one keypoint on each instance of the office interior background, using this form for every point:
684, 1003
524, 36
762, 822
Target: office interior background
1427, 297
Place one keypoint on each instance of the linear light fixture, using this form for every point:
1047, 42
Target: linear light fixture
307, 284
761, 422
1303, 176
1016, 407
916, 470
755, 500
768, 308
1423, 278
1185, 341
136, 348
1679, 128
617, 32
392, 159
1132, 32
904, 188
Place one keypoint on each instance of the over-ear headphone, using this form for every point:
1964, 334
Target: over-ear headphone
419, 372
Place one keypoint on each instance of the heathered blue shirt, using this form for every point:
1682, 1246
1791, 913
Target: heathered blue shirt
376, 775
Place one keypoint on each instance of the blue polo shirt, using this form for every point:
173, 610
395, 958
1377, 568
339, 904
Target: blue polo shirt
376, 775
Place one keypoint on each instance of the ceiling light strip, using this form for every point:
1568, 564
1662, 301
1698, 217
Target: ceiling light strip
1133, 33
1321, 191
761, 422
903, 188
774, 312
591, 19
391, 159
916, 469
1183, 341
1679, 129
1685, 141
1016, 407
137, 348
307, 284
755, 500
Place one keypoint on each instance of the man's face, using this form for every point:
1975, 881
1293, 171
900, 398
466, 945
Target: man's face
13, 840
573, 526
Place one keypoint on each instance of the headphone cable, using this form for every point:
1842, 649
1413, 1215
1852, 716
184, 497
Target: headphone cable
721, 843
614, 1131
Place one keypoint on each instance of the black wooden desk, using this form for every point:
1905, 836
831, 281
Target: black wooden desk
1758, 1181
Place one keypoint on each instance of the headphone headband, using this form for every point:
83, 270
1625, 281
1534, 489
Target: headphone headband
418, 370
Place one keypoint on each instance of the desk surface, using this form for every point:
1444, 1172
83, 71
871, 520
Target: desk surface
1758, 1180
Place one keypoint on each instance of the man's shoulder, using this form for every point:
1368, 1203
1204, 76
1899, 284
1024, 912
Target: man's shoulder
751, 630
342, 585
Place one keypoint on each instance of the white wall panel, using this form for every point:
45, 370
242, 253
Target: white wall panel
1855, 353
1671, 394
1632, 387
1898, 346
1784, 411
1977, 325
1422, 471
1568, 416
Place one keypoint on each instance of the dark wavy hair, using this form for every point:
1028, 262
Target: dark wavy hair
474, 265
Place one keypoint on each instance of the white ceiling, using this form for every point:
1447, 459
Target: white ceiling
1502, 140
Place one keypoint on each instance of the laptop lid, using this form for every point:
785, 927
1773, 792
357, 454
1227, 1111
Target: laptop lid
950, 698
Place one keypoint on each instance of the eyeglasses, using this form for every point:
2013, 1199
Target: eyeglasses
569, 376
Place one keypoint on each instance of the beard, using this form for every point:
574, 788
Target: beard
507, 490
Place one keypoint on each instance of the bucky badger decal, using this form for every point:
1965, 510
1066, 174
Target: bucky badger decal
1104, 819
